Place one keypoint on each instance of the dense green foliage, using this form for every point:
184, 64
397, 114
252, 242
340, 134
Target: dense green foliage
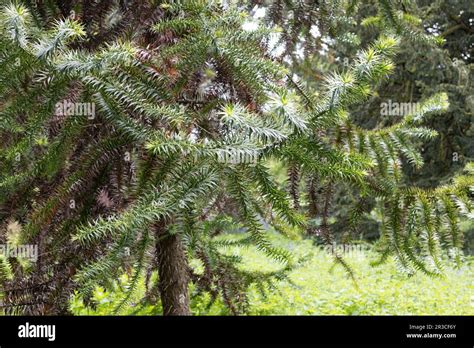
186, 115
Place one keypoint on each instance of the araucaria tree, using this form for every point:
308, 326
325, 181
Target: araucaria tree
135, 132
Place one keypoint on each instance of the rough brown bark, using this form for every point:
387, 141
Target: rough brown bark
173, 272
294, 178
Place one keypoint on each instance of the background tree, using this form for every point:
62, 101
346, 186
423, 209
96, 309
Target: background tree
435, 47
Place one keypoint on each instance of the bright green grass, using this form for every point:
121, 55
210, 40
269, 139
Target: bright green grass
319, 288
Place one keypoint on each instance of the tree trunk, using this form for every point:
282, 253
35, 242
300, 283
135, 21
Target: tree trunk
173, 272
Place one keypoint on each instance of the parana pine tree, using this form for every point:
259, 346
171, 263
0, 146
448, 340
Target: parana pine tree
135, 132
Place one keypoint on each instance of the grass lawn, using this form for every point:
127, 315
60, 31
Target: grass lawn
318, 287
